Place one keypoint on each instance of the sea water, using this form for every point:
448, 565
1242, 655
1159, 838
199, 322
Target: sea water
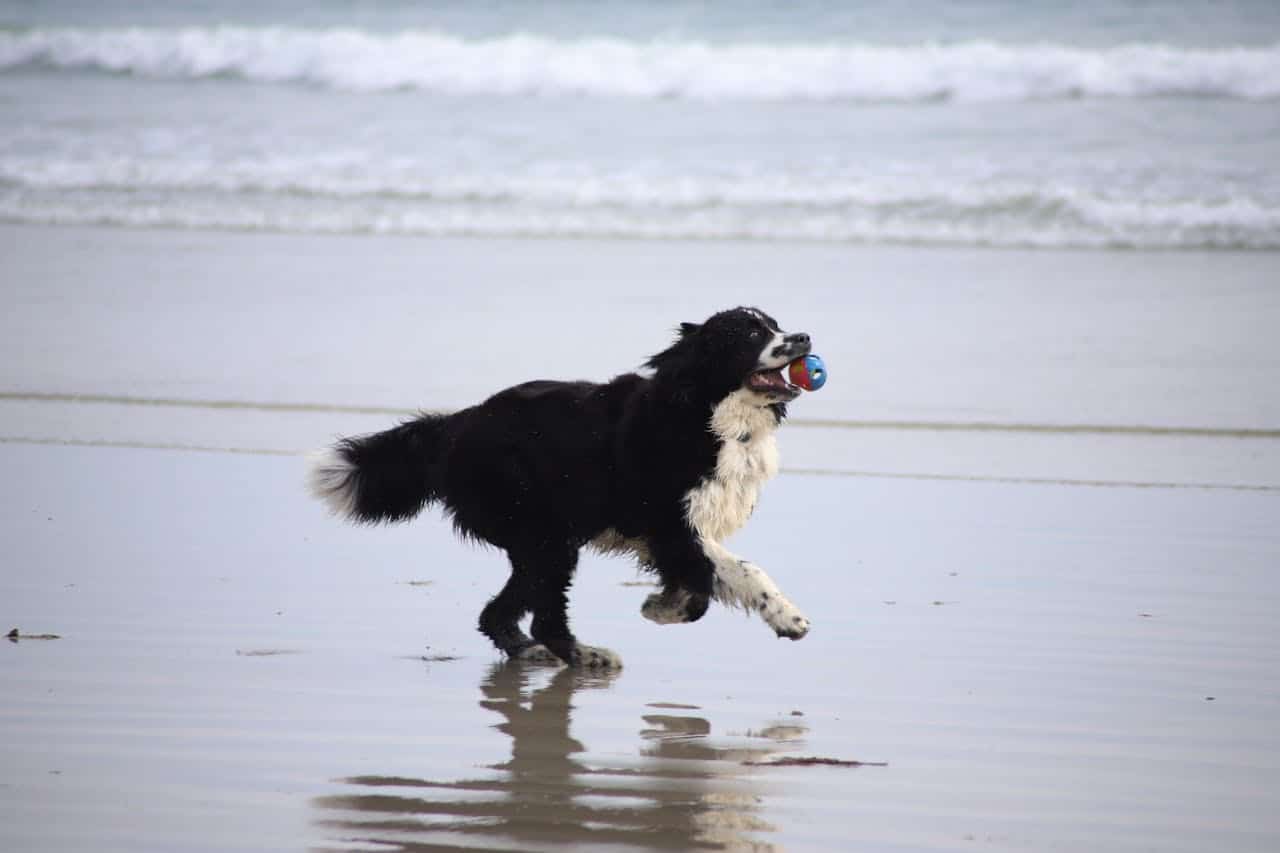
998, 123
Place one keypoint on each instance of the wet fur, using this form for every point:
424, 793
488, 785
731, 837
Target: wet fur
661, 467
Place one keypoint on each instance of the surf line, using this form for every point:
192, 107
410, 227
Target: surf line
188, 403
811, 472
802, 422
1034, 481
143, 445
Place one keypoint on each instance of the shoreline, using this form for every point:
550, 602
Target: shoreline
917, 336
801, 422
886, 243
1001, 366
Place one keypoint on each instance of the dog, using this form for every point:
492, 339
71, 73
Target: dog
662, 467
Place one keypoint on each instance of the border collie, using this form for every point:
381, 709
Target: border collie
662, 467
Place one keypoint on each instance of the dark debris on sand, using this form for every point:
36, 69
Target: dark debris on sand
15, 635
814, 762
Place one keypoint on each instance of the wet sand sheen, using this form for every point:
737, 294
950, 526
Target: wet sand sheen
1039, 664
1051, 665
687, 791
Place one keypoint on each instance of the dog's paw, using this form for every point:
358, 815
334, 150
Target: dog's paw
586, 657
595, 657
665, 608
672, 607
796, 630
537, 654
784, 618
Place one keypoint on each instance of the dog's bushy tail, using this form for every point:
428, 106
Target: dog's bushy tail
383, 477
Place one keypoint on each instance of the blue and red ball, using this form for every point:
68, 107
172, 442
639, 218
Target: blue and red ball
808, 373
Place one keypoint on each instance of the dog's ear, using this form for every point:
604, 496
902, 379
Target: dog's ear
680, 353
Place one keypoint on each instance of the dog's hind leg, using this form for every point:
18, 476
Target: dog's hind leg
549, 572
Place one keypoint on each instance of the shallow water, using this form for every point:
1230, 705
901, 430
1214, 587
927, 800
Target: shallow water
910, 336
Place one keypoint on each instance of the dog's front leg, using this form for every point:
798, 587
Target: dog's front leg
695, 569
688, 576
739, 583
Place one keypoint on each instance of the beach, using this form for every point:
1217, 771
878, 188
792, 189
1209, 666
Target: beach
1033, 516
1035, 529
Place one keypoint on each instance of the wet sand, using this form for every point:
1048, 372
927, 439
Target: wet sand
1040, 664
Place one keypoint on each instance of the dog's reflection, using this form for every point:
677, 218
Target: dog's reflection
683, 791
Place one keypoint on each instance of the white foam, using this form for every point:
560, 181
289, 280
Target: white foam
530, 64
304, 194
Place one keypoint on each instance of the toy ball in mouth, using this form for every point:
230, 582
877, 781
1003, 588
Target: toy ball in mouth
808, 373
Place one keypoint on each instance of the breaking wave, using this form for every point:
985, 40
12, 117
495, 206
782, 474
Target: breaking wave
305, 196
524, 64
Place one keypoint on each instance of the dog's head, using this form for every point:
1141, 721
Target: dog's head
740, 349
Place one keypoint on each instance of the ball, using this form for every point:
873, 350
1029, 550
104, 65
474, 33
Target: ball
808, 373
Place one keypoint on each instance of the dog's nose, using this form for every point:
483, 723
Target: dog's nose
799, 339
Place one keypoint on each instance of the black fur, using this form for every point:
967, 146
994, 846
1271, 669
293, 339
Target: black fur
542, 468
393, 472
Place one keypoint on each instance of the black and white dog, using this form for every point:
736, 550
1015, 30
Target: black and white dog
662, 467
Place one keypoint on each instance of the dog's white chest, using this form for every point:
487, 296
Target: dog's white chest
748, 457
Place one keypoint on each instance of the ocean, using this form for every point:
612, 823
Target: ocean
1142, 125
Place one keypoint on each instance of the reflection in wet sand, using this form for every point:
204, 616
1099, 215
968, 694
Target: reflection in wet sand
684, 791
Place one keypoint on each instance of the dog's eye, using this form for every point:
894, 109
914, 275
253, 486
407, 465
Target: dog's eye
756, 334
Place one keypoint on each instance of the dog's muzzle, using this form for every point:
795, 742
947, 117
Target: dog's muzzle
792, 347
772, 380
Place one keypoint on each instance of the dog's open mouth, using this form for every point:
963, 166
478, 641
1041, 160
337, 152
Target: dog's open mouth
774, 383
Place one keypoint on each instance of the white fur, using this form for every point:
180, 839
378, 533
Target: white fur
721, 504
767, 361
748, 457
739, 583
331, 478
